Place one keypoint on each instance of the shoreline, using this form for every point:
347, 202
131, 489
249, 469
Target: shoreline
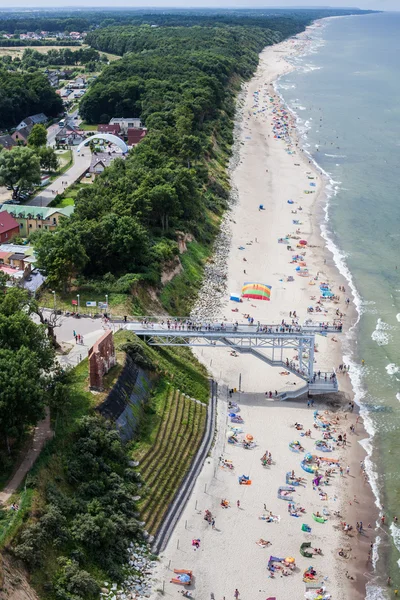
249, 183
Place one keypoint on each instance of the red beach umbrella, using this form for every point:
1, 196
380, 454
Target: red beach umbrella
303, 242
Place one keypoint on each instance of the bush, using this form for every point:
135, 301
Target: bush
73, 583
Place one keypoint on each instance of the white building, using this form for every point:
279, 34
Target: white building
126, 123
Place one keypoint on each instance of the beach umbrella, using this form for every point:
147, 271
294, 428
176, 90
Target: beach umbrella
256, 291
290, 560
303, 242
249, 437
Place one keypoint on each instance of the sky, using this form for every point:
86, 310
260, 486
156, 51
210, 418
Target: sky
371, 4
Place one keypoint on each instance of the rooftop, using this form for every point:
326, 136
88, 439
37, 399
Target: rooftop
7, 222
43, 212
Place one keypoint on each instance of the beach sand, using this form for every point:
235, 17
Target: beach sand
271, 171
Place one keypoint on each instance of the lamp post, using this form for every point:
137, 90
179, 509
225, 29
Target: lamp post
107, 304
78, 303
54, 298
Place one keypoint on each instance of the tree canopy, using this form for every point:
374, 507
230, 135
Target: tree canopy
23, 94
26, 360
19, 169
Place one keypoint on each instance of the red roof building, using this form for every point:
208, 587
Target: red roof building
135, 136
114, 129
9, 227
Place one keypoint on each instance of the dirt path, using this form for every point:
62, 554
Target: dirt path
42, 433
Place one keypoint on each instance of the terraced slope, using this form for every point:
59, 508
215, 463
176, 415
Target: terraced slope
176, 431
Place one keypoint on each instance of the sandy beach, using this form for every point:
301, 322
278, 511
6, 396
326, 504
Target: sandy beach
271, 169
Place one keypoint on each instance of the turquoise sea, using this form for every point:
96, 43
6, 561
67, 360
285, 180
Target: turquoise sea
345, 92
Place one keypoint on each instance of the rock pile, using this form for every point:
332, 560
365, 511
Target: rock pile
137, 584
214, 288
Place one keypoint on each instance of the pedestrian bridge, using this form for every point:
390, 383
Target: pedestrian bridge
269, 342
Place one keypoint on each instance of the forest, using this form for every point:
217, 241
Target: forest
23, 94
69, 20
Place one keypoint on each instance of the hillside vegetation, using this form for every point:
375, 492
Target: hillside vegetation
83, 501
182, 82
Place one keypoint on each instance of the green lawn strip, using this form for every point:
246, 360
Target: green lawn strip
86, 127
119, 304
161, 457
178, 469
165, 468
180, 366
155, 413
64, 202
160, 441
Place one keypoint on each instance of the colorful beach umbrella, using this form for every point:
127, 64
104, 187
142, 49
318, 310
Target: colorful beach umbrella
257, 291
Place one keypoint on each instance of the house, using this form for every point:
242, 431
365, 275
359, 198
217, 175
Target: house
7, 142
35, 218
16, 265
9, 227
101, 160
53, 78
136, 135
126, 123
40, 118
69, 135
113, 129
97, 167
21, 135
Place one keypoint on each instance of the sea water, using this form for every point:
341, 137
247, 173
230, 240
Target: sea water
345, 92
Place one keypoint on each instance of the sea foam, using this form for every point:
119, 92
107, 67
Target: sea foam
392, 369
381, 335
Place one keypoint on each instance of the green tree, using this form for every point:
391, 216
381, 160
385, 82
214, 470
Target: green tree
61, 255
19, 169
48, 158
22, 392
38, 136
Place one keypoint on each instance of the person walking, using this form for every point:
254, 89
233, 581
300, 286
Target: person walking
213, 523
347, 470
236, 594
238, 503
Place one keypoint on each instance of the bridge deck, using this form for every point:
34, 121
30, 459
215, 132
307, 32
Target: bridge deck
239, 330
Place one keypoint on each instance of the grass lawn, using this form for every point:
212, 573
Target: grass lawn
65, 202
86, 127
120, 304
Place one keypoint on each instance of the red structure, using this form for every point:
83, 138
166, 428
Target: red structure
9, 227
101, 359
114, 129
135, 136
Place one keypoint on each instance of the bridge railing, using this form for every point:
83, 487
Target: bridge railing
180, 324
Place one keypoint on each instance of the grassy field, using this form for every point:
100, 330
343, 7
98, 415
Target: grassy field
19, 50
120, 304
169, 440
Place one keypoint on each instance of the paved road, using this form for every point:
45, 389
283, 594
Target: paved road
54, 129
80, 165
